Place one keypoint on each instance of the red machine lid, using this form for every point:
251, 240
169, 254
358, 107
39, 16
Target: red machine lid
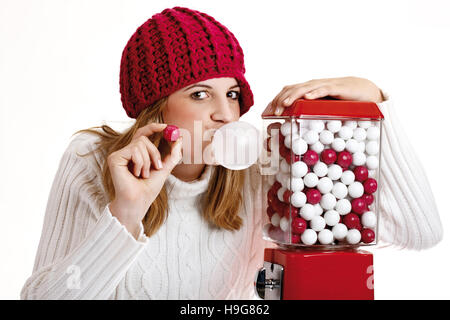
328, 107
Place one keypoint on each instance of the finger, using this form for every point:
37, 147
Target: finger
138, 162
175, 155
145, 172
321, 92
149, 129
154, 153
295, 93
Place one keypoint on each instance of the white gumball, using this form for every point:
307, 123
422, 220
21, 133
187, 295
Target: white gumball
364, 124
310, 180
331, 217
334, 172
302, 132
309, 237
361, 146
359, 159
284, 224
351, 124
353, 236
373, 174
317, 125
299, 146
311, 137
317, 223
325, 236
351, 145
326, 137
343, 206
289, 138
359, 134
275, 220
320, 169
328, 201
356, 189
299, 169
280, 193
372, 162
334, 125
339, 190
325, 185
338, 144
318, 209
348, 177
288, 128
369, 219
298, 199
372, 148
373, 133
303, 124
339, 231
317, 147
308, 212
284, 166
345, 133
295, 184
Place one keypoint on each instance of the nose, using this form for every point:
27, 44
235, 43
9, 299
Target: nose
223, 111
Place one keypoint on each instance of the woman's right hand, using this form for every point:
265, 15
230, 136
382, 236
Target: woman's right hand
135, 191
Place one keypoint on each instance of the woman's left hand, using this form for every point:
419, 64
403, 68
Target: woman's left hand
345, 88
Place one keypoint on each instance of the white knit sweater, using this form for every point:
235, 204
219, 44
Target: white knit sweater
86, 253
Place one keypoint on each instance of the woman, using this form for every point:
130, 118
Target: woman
126, 220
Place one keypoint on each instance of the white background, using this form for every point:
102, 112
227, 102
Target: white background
59, 72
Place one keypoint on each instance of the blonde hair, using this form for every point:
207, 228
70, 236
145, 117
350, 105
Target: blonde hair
220, 203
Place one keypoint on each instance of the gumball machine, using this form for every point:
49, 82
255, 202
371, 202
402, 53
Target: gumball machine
321, 195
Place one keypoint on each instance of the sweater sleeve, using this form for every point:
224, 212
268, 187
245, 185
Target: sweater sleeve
409, 217
84, 251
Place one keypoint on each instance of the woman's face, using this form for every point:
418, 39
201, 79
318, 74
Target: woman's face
200, 109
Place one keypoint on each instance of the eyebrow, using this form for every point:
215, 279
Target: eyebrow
206, 86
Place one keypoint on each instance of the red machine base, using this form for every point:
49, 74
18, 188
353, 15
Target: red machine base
324, 275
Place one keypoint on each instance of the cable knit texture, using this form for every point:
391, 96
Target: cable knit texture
174, 49
85, 253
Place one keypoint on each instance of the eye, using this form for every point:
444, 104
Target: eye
196, 95
236, 96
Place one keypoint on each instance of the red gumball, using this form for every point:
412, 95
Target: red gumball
284, 151
361, 173
274, 128
270, 212
298, 225
352, 221
276, 186
370, 186
290, 211
344, 159
367, 235
310, 157
368, 198
328, 156
313, 196
295, 238
287, 196
291, 159
359, 205
268, 144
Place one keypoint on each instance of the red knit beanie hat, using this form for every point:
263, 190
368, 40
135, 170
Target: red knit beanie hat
176, 48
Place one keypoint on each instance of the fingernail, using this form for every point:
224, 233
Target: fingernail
278, 111
286, 101
160, 166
